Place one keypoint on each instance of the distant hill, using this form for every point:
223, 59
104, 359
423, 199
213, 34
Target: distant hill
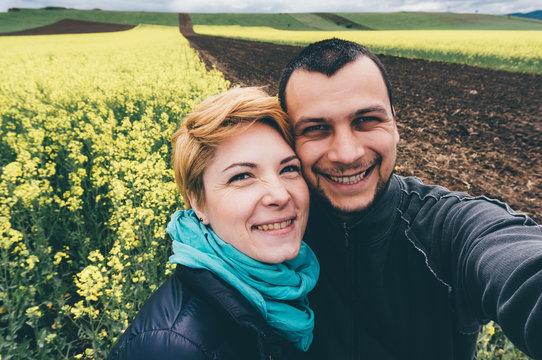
374, 21
19, 19
537, 14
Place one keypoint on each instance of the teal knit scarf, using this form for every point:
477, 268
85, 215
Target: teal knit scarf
278, 291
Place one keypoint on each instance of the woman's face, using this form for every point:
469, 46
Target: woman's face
255, 197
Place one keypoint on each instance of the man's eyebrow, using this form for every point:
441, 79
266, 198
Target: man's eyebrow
240, 164
376, 108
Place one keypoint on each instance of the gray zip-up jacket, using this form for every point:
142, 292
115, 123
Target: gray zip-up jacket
418, 274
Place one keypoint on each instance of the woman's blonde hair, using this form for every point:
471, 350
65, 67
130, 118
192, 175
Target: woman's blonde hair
214, 120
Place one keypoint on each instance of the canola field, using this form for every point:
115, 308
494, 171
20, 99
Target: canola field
519, 51
86, 188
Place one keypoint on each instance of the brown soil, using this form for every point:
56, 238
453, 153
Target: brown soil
466, 128
69, 26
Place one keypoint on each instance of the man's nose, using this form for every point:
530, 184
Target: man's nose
346, 147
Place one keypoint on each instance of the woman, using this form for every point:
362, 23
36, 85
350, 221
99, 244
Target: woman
243, 274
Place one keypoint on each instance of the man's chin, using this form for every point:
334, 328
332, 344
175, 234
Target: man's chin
347, 210
353, 207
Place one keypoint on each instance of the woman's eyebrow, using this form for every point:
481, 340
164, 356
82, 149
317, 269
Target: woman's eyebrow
241, 164
288, 159
252, 165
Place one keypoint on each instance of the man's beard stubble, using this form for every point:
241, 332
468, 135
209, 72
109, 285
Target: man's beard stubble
347, 214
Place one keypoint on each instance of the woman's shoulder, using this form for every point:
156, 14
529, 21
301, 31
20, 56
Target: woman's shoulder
179, 322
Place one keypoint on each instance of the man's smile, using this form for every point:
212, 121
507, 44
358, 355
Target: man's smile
350, 179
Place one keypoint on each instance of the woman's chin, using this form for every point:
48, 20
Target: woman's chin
282, 255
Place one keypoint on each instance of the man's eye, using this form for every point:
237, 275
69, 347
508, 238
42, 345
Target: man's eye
315, 129
239, 177
366, 121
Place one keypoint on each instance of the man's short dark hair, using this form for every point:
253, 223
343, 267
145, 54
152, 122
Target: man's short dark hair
327, 57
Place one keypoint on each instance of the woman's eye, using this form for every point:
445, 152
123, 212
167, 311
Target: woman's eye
239, 177
291, 169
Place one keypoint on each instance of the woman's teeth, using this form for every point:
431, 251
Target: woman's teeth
275, 226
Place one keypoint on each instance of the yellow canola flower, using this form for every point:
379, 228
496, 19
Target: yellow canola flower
79, 310
33, 312
95, 256
31, 261
12, 171
8, 236
490, 329
91, 282
49, 338
59, 256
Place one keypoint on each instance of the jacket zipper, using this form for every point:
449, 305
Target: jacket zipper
351, 343
261, 346
346, 235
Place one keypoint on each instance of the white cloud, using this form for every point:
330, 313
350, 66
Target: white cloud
482, 6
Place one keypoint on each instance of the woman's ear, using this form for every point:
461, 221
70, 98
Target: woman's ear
200, 213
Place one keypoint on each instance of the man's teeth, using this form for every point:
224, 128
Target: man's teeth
348, 180
275, 226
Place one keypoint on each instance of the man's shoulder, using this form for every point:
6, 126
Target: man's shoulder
414, 186
425, 200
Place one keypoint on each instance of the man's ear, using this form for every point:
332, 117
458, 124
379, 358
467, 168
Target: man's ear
200, 213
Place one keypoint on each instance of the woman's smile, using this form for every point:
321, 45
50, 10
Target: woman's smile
275, 225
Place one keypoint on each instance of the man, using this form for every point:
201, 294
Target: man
408, 271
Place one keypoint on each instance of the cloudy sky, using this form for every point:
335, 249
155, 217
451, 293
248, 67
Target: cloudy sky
469, 6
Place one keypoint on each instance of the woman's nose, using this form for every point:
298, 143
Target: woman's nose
276, 193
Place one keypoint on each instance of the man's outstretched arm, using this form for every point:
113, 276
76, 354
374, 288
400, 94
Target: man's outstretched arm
496, 269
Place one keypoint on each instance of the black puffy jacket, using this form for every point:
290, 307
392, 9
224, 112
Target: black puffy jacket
196, 315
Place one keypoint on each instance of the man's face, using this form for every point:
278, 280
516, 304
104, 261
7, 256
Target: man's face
345, 132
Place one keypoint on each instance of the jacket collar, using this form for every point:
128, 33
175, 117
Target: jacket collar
211, 288
374, 224
224, 296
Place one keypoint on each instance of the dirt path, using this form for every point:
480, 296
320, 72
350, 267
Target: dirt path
466, 128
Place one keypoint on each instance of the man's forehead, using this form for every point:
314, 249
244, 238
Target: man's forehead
311, 92
362, 67
301, 75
